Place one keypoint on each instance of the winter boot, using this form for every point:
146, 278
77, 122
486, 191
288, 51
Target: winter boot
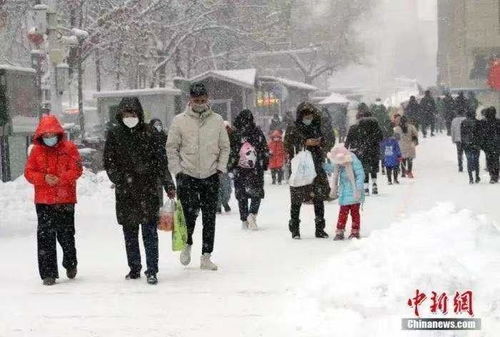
71, 273
152, 279
227, 208
206, 263
133, 275
354, 235
478, 180
252, 222
320, 229
374, 189
185, 257
410, 175
367, 189
294, 225
339, 235
244, 225
219, 210
49, 281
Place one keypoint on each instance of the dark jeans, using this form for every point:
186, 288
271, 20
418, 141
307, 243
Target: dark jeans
460, 155
56, 223
492, 162
448, 127
245, 211
196, 194
407, 166
277, 174
319, 210
371, 169
392, 171
150, 240
472, 156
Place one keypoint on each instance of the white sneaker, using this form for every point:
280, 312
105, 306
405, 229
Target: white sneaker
206, 263
186, 255
252, 222
244, 225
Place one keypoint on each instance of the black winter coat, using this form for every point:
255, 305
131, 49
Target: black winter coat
248, 182
449, 108
428, 108
364, 140
470, 134
490, 135
135, 161
295, 139
413, 112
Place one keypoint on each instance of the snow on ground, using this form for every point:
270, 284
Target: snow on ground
433, 233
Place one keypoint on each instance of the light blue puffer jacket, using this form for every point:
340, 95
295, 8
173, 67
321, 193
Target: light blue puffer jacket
346, 193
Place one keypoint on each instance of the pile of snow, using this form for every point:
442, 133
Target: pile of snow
364, 291
17, 198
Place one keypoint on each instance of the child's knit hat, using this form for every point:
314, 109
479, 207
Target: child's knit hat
340, 155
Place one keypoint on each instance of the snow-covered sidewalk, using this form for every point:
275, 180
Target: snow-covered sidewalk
416, 235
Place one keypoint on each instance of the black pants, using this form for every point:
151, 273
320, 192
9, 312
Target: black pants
407, 166
460, 156
472, 156
245, 211
448, 127
370, 167
196, 194
277, 174
150, 240
392, 171
319, 210
56, 223
492, 162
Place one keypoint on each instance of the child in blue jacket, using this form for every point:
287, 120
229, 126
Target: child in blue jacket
348, 186
391, 154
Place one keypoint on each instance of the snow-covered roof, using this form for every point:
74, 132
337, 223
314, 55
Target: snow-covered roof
335, 98
241, 77
290, 83
16, 68
137, 92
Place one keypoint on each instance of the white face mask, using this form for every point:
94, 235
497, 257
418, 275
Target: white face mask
199, 108
131, 122
159, 128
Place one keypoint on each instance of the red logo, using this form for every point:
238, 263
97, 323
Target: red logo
462, 302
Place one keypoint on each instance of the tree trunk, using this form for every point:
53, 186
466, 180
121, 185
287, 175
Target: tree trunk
97, 56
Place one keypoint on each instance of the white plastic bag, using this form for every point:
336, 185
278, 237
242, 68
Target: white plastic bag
166, 220
303, 170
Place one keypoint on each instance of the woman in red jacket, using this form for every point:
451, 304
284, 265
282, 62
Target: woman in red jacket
278, 156
53, 167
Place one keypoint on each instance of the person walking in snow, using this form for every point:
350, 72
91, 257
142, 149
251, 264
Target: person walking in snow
198, 152
408, 141
449, 111
391, 154
456, 125
225, 188
248, 161
136, 162
490, 143
379, 111
429, 113
159, 133
413, 112
471, 142
306, 133
363, 139
53, 167
277, 156
347, 185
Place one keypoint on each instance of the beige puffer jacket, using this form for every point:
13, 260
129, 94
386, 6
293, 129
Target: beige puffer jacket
198, 145
407, 142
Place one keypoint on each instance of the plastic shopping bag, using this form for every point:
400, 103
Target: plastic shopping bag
166, 222
303, 170
179, 233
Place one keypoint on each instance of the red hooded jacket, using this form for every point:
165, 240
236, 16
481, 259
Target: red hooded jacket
277, 149
62, 160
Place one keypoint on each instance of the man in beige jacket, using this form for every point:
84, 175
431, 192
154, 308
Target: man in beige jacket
198, 151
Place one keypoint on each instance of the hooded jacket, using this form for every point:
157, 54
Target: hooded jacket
61, 160
136, 162
248, 182
295, 138
490, 132
198, 144
364, 138
277, 151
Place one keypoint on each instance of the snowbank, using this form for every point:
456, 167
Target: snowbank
16, 198
364, 291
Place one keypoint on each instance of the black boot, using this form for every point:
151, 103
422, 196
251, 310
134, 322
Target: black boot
294, 225
320, 229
